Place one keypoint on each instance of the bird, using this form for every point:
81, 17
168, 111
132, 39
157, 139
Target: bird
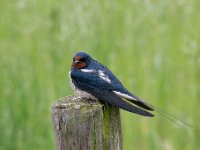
91, 79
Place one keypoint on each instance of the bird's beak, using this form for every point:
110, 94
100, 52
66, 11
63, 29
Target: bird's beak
76, 61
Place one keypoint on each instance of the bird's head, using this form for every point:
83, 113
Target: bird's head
81, 60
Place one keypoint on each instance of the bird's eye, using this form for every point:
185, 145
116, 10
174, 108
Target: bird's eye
82, 59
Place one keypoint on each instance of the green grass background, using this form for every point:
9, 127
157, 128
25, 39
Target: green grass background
152, 46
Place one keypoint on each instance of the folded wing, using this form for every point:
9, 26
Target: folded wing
103, 90
113, 99
134, 99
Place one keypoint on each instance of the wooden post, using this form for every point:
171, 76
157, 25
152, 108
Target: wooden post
80, 124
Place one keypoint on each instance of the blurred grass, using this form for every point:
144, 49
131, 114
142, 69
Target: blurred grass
152, 46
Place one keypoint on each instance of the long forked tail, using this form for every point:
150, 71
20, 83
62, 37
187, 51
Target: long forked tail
173, 118
143, 104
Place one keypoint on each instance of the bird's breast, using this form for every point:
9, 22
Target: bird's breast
84, 94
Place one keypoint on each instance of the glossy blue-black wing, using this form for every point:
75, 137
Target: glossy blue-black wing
112, 99
103, 90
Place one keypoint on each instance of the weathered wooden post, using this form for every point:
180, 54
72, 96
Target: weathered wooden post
85, 125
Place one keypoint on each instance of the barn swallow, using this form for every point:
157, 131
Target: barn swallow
90, 79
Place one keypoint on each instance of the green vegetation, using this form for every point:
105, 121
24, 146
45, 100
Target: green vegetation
152, 46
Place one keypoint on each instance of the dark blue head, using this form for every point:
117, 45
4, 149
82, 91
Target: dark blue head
81, 60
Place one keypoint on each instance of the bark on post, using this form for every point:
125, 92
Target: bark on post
80, 124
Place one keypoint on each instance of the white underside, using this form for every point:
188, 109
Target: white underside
84, 94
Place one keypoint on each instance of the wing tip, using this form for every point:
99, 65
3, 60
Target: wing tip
144, 113
150, 115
